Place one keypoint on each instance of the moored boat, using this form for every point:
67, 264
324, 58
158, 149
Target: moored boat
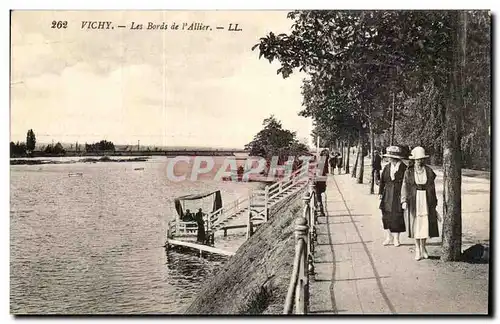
194, 217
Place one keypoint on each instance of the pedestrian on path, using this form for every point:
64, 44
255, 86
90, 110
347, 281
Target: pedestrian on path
419, 200
333, 163
390, 195
339, 161
376, 166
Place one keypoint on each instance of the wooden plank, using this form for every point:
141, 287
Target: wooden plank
237, 226
200, 247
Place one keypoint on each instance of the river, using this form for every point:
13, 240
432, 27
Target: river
94, 244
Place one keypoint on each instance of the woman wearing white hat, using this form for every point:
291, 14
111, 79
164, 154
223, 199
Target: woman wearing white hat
418, 198
391, 181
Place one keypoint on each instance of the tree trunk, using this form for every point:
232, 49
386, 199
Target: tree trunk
342, 155
372, 144
452, 200
393, 119
346, 165
355, 167
434, 159
359, 178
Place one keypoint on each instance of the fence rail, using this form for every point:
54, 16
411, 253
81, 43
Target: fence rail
303, 266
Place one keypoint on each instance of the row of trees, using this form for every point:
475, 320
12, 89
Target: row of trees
27, 149
24, 148
427, 70
17, 149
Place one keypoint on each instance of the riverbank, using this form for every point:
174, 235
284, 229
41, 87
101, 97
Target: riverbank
84, 160
255, 280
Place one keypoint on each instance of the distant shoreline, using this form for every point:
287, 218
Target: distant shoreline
173, 152
27, 161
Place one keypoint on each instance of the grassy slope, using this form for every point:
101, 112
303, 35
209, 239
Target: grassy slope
255, 280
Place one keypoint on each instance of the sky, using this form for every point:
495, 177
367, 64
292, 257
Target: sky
168, 88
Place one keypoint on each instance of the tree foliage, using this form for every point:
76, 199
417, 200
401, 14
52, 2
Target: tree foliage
102, 146
17, 149
273, 140
56, 149
30, 141
357, 60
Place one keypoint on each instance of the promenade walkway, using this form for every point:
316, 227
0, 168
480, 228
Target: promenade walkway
356, 274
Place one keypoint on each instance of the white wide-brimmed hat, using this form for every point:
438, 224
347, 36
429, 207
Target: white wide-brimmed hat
394, 152
418, 153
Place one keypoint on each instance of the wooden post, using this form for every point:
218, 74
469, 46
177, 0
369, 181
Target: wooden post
177, 230
313, 197
212, 238
307, 212
266, 211
302, 288
249, 224
309, 221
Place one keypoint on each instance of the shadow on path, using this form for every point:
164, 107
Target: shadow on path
332, 285
370, 257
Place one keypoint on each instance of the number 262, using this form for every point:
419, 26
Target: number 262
59, 24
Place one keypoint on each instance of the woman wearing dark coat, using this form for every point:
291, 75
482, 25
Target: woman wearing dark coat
333, 163
391, 181
418, 198
201, 227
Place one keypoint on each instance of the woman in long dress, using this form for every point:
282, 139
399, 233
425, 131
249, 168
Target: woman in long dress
200, 238
418, 198
391, 181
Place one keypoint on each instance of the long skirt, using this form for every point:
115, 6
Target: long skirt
201, 233
421, 222
393, 221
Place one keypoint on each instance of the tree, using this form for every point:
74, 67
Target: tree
30, 142
452, 204
273, 140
